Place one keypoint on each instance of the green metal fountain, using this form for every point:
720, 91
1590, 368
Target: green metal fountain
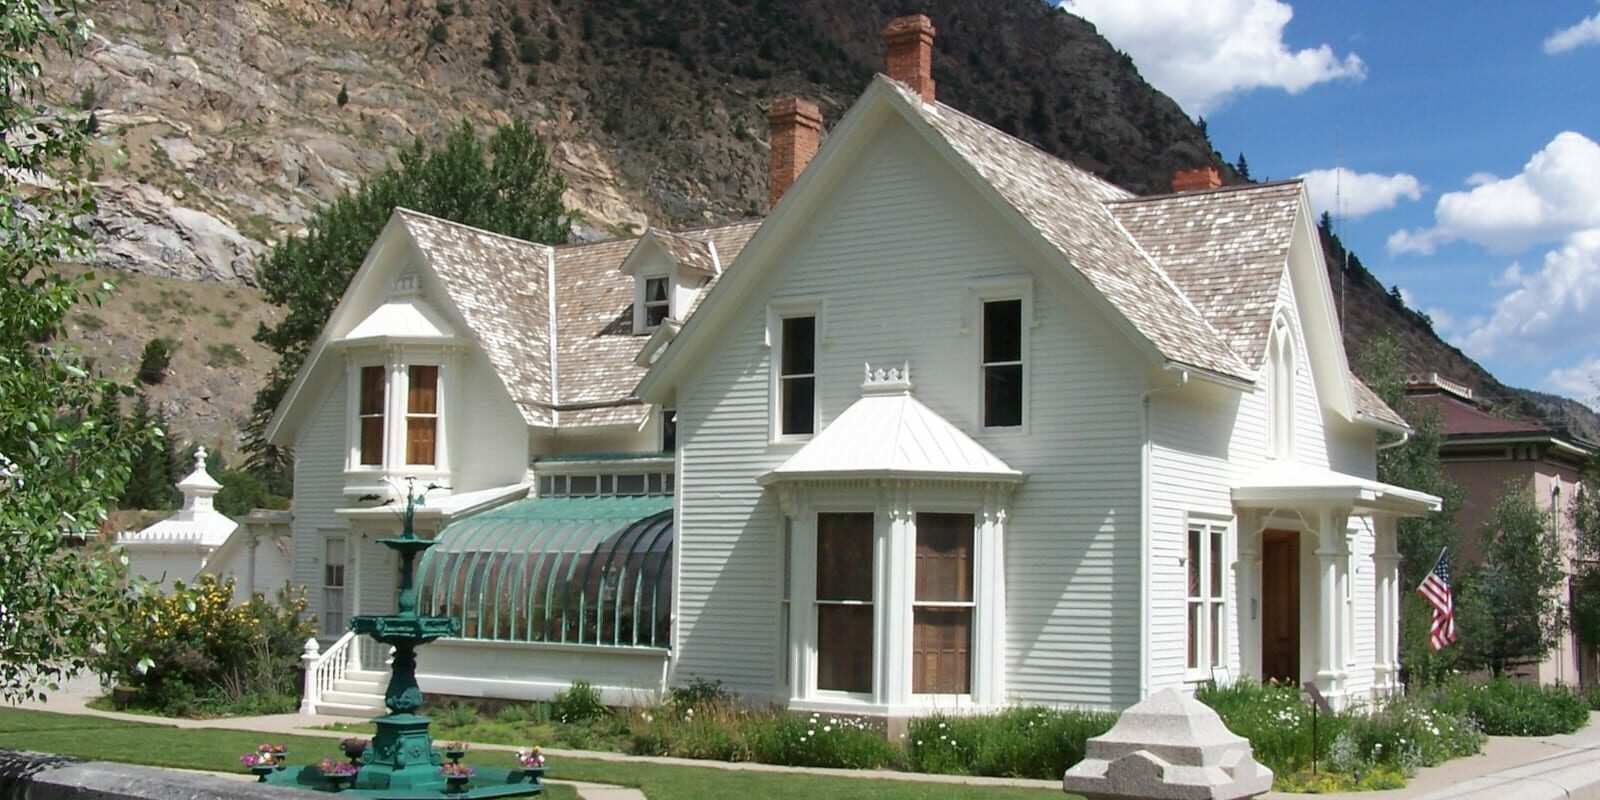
401, 762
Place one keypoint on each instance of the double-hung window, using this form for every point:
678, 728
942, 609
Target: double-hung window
333, 587
374, 396
844, 602
656, 301
941, 639
797, 375
422, 413
1206, 619
1003, 388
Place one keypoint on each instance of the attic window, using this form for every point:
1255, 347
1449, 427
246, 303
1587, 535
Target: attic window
656, 302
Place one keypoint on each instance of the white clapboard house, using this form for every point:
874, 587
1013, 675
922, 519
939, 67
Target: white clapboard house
957, 425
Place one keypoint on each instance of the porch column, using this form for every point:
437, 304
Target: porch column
892, 683
1247, 587
1332, 556
1386, 578
802, 642
989, 628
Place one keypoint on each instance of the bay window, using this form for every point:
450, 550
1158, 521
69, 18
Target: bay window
422, 413
941, 633
844, 602
371, 415
397, 405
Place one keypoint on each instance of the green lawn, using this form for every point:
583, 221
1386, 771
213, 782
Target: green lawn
214, 749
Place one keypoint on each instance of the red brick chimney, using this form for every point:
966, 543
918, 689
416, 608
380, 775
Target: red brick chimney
1192, 180
910, 61
796, 134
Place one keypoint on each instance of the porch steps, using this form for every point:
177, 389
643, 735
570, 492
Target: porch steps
358, 694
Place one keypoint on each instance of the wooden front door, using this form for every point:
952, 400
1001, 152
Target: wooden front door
1280, 606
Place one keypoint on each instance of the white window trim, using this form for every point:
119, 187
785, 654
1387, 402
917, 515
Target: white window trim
777, 312
397, 361
1207, 598
640, 305
894, 592
343, 588
1000, 291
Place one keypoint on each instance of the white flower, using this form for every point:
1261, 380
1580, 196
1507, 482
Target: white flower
812, 732
827, 728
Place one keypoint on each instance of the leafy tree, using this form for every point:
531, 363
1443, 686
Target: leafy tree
1511, 609
506, 185
1414, 465
62, 460
1585, 516
242, 490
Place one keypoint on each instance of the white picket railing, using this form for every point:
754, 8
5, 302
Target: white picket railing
324, 667
371, 654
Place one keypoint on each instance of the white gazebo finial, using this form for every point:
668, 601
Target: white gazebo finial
198, 488
200, 458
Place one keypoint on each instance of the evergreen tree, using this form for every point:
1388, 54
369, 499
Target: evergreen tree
1511, 614
63, 596
153, 480
344, 96
507, 186
1242, 167
154, 360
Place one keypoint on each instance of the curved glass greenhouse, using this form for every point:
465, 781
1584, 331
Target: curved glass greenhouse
574, 570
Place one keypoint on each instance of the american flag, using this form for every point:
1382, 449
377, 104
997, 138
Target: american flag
1435, 589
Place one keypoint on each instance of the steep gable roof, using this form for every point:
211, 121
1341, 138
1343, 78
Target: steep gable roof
1067, 206
500, 286
1226, 249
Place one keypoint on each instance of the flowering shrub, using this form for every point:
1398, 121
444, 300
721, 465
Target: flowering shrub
191, 651
1370, 747
1503, 707
577, 704
1015, 743
728, 732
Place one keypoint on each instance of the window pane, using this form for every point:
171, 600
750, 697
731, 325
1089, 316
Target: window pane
1002, 396
630, 484
423, 395
1216, 634
655, 289
371, 390
1216, 563
844, 557
799, 404
1194, 562
372, 441
941, 648
799, 345
653, 315
420, 432
944, 557
1002, 331
1194, 635
844, 648
583, 484
669, 430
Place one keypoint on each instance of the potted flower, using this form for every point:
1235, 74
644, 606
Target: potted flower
531, 761
455, 750
337, 773
260, 764
456, 776
279, 753
354, 747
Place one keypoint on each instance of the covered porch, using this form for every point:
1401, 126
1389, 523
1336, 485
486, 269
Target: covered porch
1301, 530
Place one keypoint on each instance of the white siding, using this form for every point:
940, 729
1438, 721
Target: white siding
895, 263
486, 433
318, 490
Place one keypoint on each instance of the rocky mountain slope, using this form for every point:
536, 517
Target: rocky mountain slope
227, 124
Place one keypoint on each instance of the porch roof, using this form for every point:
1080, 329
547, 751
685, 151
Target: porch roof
888, 433
1284, 484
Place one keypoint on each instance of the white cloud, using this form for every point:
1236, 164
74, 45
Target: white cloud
1200, 52
1547, 314
1556, 194
1358, 193
1580, 381
1585, 32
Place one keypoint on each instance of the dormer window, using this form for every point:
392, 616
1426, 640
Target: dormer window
657, 302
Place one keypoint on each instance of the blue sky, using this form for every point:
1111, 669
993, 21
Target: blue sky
1467, 131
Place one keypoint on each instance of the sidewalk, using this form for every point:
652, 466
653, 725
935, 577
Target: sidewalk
1509, 768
